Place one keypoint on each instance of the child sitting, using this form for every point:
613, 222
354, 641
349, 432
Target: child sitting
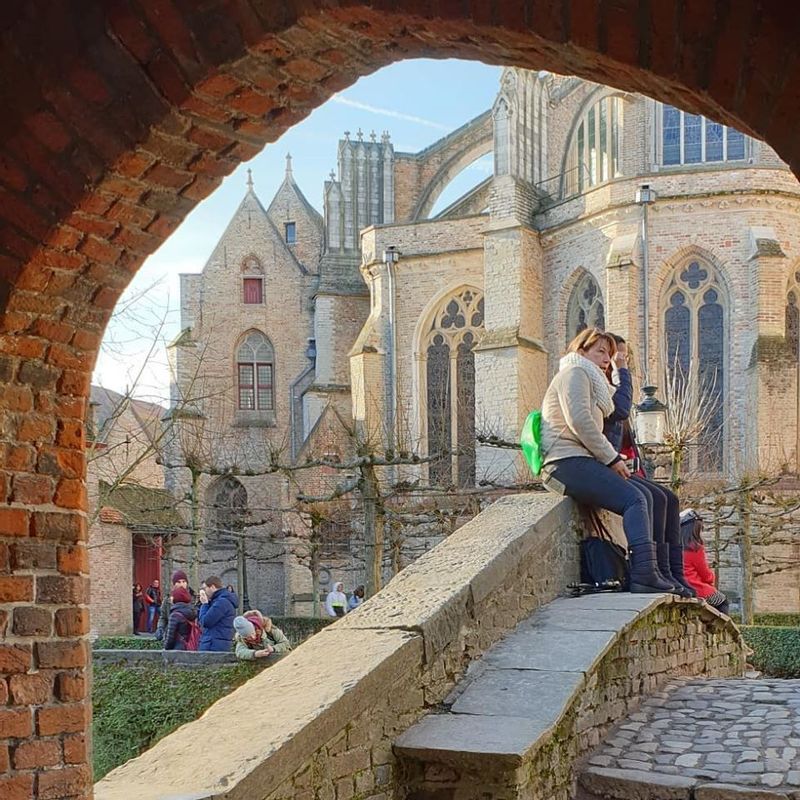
695, 566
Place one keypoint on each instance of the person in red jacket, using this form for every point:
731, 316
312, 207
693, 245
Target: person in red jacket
695, 566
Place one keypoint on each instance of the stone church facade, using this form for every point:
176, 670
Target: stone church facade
427, 330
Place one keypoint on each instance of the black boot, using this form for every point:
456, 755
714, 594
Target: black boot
676, 567
645, 578
662, 555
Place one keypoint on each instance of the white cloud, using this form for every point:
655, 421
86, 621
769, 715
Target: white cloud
387, 112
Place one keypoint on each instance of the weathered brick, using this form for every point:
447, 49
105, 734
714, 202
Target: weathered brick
62, 589
72, 621
30, 690
42, 753
63, 527
55, 784
70, 687
16, 787
61, 655
32, 489
16, 588
15, 723
32, 621
33, 554
14, 522
75, 748
64, 718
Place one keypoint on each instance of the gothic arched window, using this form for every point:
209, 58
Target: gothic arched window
692, 139
594, 151
585, 307
695, 333
255, 362
450, 380
793, 315
228, 513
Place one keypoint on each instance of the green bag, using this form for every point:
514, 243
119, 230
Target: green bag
531, 441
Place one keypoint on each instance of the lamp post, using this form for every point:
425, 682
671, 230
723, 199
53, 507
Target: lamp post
650, 423
645, 196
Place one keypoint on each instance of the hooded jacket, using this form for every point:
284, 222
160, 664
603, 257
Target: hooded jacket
216, 619
246, 649
178, 627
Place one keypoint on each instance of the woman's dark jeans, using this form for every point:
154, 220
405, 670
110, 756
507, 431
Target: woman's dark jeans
666, 511
588, 481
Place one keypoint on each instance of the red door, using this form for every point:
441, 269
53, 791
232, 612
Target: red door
146, 566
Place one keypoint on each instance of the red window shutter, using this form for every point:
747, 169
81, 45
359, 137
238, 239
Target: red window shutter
253, 291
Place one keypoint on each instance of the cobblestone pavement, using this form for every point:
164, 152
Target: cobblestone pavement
743, 732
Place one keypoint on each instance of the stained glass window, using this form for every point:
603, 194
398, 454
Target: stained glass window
450, 393
255, 360
695, 335
585, 307
691, 139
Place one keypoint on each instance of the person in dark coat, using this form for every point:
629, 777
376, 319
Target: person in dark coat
182, 613
663, 504
217, 612
138, 607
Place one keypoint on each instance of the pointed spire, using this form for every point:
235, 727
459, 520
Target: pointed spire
288, 165
372, 136
249, 180
333, 175
360, 134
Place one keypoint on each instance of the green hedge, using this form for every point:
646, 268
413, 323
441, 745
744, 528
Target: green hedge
776, 651
772, 620
126, 643
133, 709
297, 629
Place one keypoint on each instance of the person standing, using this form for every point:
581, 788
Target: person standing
356, 599
182, 614
179, 581
217, 612
152, 599
336, 601
138, 607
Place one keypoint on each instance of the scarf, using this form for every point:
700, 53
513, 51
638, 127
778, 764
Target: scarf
601, 389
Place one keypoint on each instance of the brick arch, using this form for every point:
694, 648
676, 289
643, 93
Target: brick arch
119, 117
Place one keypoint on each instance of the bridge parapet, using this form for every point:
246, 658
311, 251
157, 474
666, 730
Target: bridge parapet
321, 723
547, 694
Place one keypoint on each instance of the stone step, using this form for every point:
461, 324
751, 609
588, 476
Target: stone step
600, 783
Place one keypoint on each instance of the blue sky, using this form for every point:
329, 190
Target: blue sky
417, 101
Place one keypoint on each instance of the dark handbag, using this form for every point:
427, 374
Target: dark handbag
604, 564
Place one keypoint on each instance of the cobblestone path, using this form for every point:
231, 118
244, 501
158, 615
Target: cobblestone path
742, 732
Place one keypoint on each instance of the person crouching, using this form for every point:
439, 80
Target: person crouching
257, 637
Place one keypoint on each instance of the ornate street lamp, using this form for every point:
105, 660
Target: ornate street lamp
651, 418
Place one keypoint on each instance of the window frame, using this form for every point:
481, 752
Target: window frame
694, 300
262, 393
290, 226
704, 121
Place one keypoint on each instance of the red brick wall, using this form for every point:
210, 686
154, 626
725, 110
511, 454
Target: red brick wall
119, 117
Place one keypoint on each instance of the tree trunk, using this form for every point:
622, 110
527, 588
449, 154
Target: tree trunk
373, 530
197, 531
240, 571
314, 567
675, 477
746, 549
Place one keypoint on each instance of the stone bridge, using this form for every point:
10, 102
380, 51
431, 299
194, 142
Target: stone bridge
464, 678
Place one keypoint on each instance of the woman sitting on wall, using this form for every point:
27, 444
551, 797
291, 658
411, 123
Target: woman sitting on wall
664, 504
580, 462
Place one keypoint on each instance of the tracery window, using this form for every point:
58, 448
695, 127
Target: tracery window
228, 513
696, 333
693, 139
594, 151
255, 361
585, 307
793, 315
450, 379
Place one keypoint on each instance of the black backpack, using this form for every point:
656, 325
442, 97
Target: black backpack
604, 564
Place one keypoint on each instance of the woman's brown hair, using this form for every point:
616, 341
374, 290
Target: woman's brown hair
589, 337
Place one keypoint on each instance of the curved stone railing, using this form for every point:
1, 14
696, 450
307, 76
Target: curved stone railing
322, 721
547, 693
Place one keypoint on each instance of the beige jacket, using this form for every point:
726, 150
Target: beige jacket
572, 422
